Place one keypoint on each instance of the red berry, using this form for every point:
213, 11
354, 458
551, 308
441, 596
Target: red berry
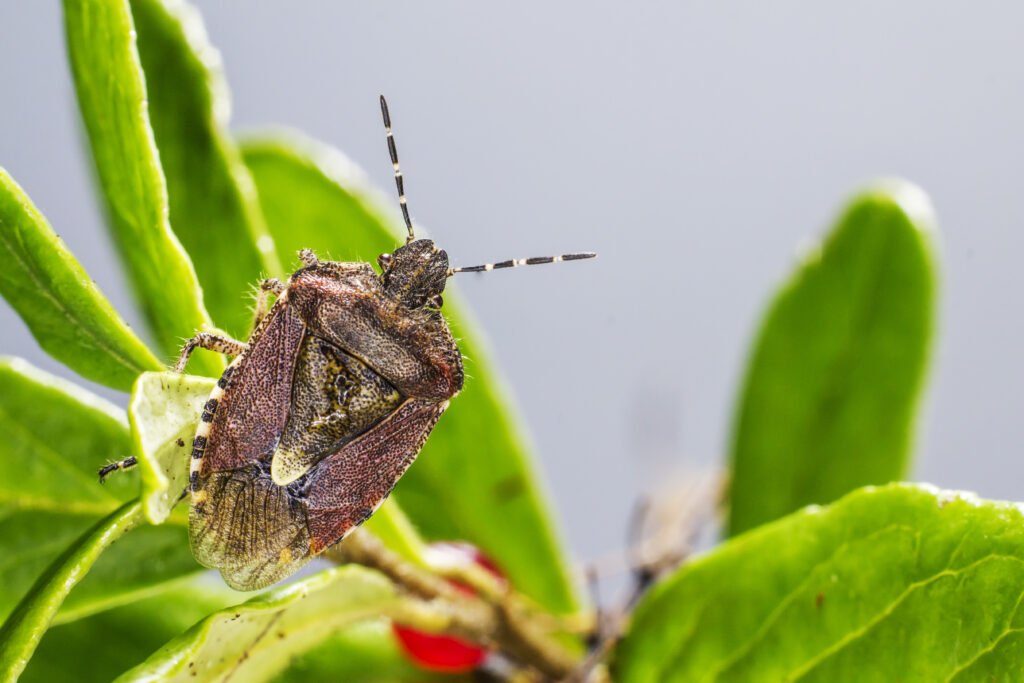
445, 653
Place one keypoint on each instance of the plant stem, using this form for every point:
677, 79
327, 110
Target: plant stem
496, 619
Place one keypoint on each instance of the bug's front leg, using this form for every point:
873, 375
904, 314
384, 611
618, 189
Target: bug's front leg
211, 342
267, 287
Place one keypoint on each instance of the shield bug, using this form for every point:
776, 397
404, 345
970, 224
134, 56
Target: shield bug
325, 406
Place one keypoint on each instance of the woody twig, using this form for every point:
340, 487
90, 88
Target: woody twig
496, 618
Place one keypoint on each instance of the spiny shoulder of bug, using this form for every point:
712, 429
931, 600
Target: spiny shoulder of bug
414, 275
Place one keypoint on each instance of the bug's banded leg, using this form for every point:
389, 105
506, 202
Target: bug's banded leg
211, 342
125, 464
267, 287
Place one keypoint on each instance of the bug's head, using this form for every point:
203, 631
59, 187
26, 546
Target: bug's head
415, 273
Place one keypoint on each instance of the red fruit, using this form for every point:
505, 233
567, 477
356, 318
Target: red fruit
445, 653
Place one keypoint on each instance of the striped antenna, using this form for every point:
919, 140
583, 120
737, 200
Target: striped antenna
398, 173
516, 262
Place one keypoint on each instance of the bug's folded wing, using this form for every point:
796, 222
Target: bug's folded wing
249, 528
347, 487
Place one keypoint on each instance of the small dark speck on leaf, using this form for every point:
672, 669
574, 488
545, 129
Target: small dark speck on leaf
819, 600
181, 443
508, 488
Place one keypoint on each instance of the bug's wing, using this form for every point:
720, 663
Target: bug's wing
258, 533
239, 522
347, 487
251, 413
249, 528
335, 398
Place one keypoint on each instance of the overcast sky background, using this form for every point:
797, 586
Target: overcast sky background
696, 146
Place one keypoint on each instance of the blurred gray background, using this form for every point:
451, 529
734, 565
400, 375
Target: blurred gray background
694, 145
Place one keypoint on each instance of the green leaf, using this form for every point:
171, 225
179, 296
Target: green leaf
112, 99
474, 479
365, 652
125, 636
28, 622
257, 639
213, 204
886, 583
56, 436
66, 312
834, 379
164, 410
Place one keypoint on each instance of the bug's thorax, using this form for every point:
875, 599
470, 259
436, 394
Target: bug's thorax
371, 316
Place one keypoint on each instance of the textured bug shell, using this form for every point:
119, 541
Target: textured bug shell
313, 425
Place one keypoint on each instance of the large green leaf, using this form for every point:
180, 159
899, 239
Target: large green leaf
26, 625
898, 583
365, 652
214, 210
112, 99
126, 635
66, 312
256, 640
55, 438
474, 479
830, 396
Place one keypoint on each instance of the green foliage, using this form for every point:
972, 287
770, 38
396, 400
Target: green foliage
112, 98
125, 635
213, 208
834, 380
164, 410
883, 584
65, 311
55, 437
256, 640
886, 584
26, 625
312, 196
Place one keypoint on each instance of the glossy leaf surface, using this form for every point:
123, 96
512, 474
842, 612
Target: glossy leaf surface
257, 639
25, 626
831, 393
63, 308
114, 106
56, 436
213, 207
888, 584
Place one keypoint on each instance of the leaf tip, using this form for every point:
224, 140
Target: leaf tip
908, 198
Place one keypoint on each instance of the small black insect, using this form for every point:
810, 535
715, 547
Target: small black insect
326, 405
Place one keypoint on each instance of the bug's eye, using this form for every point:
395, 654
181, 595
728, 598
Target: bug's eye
435, 301
384, 260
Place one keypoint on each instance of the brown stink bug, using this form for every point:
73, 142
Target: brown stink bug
325, 407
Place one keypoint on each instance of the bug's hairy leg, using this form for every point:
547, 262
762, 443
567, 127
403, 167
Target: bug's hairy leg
125, 464
267, 287
210, 342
